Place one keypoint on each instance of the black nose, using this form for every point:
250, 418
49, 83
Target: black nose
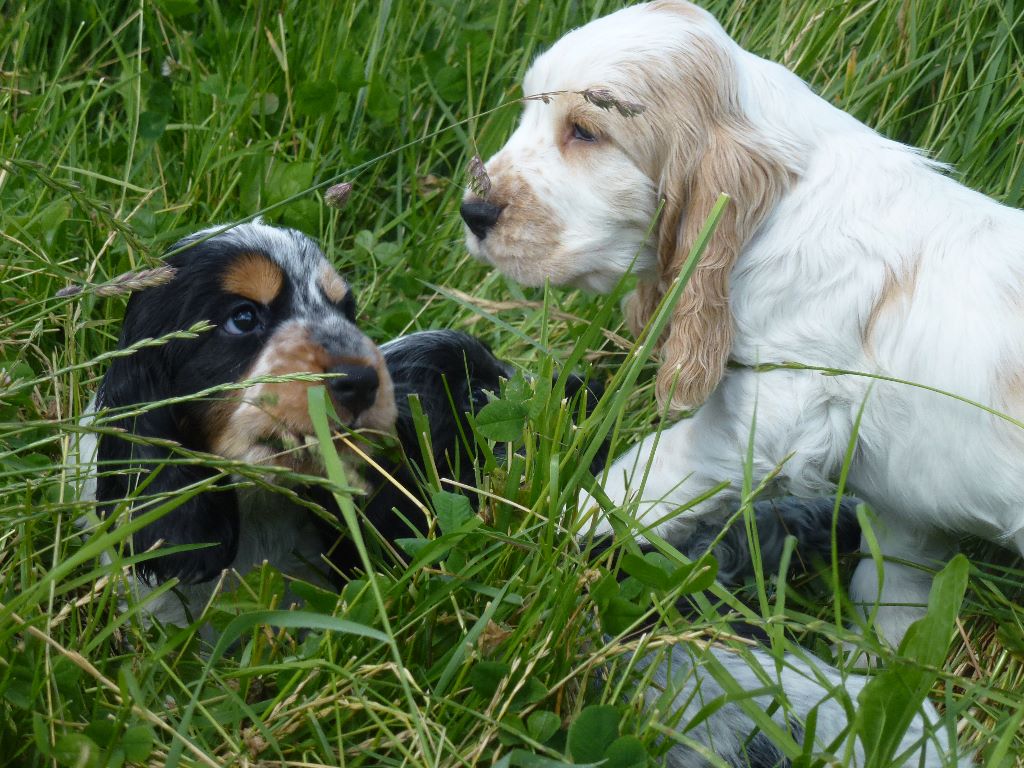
355, 388
480, 216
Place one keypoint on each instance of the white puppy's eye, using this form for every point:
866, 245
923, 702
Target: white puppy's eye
581, 133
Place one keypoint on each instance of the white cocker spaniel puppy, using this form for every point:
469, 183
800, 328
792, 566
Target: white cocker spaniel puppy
840, 248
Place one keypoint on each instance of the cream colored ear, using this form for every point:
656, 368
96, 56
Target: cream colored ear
696, 346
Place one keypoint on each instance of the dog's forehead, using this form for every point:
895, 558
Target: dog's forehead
266, 258
599, 52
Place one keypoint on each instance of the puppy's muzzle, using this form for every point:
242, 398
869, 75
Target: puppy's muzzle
355, 389
480, 216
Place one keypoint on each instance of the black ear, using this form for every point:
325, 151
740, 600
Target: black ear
209, 517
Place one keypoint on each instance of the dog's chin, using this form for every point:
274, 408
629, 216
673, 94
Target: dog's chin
516, 268
301, 453
603, 266
473, 245
294, 452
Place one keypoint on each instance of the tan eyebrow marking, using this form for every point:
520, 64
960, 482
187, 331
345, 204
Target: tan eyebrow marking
333, 286
586, 116
254, 276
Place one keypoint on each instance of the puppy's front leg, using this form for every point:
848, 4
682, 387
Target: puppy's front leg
789, 422
901, 597
651, 481
666, 471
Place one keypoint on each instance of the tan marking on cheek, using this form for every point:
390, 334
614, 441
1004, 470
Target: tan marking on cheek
254, 276
897, 290
268, 410
291, 351
333, 286
526, 240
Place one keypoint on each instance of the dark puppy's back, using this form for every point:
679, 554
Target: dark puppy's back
453, 373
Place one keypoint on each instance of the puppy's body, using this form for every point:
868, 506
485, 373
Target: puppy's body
272, 530
839, 248
452, 374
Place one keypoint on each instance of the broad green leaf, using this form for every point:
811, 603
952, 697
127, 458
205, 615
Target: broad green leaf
890, 700
76, 750
697, 576
137, 743
287, 180
316, 598
502, 420
619, 615
315, 98
592, 732
152, 125
452, 509
646, 570
531, 692
542, 725
486, 676
626, 752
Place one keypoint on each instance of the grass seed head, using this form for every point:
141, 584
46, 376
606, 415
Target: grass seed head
605, 99
479, 181
123, 284
338, 195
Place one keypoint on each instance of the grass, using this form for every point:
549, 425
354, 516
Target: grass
125, 125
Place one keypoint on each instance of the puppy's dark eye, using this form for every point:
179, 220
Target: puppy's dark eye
581, 133
243, 319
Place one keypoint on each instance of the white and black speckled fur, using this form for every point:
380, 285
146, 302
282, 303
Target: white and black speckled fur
681, 685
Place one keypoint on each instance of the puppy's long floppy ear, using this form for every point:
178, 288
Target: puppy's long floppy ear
206, 518
696, 345
124, 464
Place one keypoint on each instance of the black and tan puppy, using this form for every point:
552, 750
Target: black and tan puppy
278, 308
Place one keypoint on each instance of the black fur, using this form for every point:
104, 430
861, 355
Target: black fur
808, 520
760, 752
452, 374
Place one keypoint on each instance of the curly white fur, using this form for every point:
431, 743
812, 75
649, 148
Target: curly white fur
843, 249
